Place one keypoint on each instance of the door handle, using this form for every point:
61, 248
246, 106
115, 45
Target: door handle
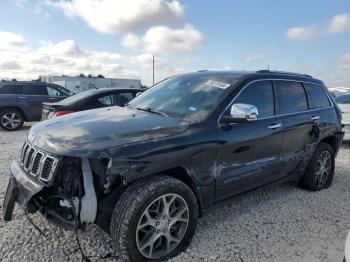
51, 98
275, 126
22, 97
315, 118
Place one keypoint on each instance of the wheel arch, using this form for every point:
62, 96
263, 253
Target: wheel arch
332, 141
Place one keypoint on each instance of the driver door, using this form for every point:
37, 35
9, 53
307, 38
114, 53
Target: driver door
249, 156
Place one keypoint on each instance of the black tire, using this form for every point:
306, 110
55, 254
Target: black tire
133, 203
309, 180
19, 118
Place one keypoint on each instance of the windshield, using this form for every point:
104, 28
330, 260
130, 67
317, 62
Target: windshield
77, 97
190, 98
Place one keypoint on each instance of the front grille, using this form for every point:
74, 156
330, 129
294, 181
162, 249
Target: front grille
38, 163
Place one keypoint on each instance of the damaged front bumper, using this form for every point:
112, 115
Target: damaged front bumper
32, 194
21, 189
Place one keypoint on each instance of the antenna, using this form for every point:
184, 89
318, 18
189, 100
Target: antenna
268, 67
153, 68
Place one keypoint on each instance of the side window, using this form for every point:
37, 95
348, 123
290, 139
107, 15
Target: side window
106, 100
123, 98
53, 91
10, 90
38, 90
317, 96
259, 94
292, 97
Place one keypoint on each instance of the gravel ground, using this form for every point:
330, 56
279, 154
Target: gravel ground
281, 224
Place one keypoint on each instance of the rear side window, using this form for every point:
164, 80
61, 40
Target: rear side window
123, 98
106, 100
38, 90
10, 90
292, 97
317, 96
259, 94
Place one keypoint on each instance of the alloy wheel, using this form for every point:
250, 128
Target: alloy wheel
11, 120
323, 168
162, 226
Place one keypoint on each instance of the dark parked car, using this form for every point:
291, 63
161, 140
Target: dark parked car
91, 99
22, 101
146, 172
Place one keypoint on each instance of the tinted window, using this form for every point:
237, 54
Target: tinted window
106, 100
317, 96
259, 94
54, 91
292, 97
344, 99
123, 98
10, 89
34, 90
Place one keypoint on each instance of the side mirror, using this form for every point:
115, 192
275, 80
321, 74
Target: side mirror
241, 113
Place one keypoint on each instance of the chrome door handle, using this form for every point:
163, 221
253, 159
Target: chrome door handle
274, 126
315, 118
22, 97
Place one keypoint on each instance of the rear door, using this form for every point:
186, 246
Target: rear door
249, 155
33, 95
299, 128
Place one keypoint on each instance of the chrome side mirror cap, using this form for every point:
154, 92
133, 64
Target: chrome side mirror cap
241, 113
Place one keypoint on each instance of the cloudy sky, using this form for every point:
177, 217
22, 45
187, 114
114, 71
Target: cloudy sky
117, 38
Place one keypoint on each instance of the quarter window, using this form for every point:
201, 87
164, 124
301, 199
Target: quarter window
106, 100
317, 96
292, 97
259, 94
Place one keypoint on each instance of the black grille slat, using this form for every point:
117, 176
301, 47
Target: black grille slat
24, 153
30, 155
36, 162
47, 167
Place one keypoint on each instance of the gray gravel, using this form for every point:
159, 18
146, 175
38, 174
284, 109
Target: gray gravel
281, 224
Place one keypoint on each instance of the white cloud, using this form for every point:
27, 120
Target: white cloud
11, 40
340, 23
256, 58
165, 40
301, 33
343, 62
114, 16
66, 57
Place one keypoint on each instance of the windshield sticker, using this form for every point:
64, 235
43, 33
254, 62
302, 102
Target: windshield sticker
192, 108
218, 84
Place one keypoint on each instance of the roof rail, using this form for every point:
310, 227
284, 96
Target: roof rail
282, 72
204, 70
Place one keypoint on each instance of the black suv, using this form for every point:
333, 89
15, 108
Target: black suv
147, 171
22, 101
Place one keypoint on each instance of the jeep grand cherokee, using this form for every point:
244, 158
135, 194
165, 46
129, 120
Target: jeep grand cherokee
147, 171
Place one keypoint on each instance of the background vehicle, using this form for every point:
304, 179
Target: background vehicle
146, 172
343, 102
22, 101
347, 249
90, 99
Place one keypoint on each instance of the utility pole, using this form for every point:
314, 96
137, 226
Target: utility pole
153, 68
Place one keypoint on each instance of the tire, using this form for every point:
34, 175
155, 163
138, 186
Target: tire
130, 211
311, 179
11, 119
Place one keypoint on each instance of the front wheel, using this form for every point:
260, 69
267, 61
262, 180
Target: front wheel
319, 174
154, 219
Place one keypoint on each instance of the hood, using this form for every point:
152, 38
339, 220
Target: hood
85, 133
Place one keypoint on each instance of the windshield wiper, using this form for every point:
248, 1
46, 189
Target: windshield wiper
150, 110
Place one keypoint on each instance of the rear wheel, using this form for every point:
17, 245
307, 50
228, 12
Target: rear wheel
154, 219
319, 174
11, 119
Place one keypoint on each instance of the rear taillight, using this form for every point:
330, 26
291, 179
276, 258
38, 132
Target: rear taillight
62, 113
